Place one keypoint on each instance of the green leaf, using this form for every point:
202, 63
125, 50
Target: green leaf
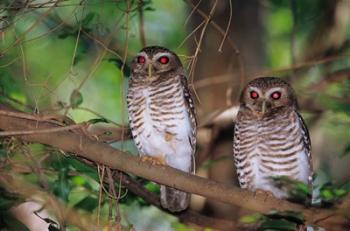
84, 169
302, 188
76, 98
61, 186
78, 181
88, 18
148, 8
295, 217
280, 225
327, 195
177, 226
98, 120
152, 187
340, 192
88, 203
119, 63
250, 219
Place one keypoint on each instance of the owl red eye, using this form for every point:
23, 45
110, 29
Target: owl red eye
163, 60
141, 59
254, 95
276, 95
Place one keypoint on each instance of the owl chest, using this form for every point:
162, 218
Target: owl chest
159, 121
275, 149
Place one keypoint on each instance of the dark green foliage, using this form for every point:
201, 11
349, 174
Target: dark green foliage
10, 223
61, 187
274, 220
98, 120
89, 203
330, 193
8, 200
295, 217
152, 187
7, 220
277, 224
122, 66
76, 98
298, 191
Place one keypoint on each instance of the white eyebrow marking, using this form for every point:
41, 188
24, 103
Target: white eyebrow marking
142, 54
158, 55
270, 91
255, 89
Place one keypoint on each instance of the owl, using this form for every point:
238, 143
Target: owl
270, 137
162, 116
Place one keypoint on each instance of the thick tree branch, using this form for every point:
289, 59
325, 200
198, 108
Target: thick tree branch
106, 155
189, 216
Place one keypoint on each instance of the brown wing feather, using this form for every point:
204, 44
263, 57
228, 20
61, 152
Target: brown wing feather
307, 143
189, 103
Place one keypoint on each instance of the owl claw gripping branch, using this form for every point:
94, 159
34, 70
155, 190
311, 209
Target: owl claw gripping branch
162, 117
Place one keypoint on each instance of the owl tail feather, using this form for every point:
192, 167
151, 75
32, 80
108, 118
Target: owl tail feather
174, 200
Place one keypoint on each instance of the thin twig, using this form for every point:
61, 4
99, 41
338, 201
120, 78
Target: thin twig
102, 53
228, 26
190, 34
142, 23
192, 11
19, 39
293, 6
230, 41
198, 48
40, 131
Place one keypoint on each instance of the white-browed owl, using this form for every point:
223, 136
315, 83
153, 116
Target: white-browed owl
270, 137
162, 116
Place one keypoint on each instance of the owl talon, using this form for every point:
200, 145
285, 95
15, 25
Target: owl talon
261, 193
154, 160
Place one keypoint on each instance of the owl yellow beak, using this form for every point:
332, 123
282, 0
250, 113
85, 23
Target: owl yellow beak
149, 71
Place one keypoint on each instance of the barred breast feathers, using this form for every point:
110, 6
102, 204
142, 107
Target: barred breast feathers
271, 146
157, 110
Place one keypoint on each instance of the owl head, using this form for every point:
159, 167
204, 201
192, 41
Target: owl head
155, 61
266, 95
